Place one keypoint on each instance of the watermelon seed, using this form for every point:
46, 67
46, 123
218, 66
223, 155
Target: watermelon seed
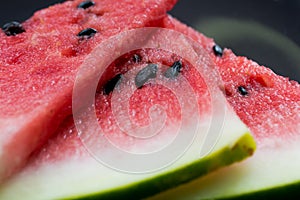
218, 51
13, 28
174, 70
136, 58
86, 4
87, 33
242, 90
111, 84
145, 74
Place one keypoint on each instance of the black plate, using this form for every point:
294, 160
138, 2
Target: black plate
267, 31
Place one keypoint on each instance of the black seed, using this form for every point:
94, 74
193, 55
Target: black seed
218, 50
111, 84
145, 74
13, 28
242, 90
87, 33
174, 70
136, 58
86, 4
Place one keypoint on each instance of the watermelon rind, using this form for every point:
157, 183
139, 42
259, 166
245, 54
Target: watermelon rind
270, 174
285, 191
223, 157
84, 178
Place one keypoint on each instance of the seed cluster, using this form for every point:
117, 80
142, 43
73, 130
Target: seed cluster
88, 32
218, 51
144, 75
14, 28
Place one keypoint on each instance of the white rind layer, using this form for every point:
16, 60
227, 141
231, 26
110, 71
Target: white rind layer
272, 166
80, 176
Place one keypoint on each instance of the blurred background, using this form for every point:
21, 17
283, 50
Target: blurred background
267, 31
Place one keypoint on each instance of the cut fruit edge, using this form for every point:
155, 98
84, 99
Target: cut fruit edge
64, 178
41, 62
273, 171
270, 172
83, 177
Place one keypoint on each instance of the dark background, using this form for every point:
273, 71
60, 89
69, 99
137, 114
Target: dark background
267, 31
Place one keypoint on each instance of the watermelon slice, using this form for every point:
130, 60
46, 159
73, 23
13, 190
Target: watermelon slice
270, 105
39, 60
247, 85
193, 114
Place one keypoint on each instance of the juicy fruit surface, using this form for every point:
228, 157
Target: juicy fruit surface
271, 109
39, 67
140, 103
64, 155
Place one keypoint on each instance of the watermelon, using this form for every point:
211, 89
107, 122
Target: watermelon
38, 64
270, 106
143, 84
267, 103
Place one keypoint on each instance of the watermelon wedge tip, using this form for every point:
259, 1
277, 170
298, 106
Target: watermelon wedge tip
38, 63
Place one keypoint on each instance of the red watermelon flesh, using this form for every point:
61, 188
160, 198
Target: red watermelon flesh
38, 68
65, 161
271, 108
66, 141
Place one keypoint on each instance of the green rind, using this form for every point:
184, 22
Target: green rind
289, 191
243, 148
